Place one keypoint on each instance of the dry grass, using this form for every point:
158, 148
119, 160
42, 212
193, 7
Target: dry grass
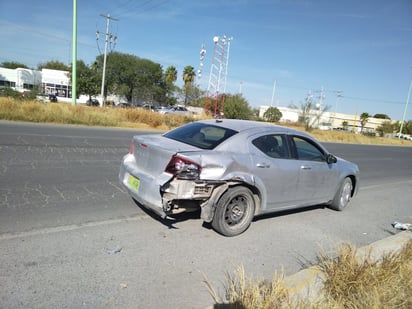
244, 293
348, 137
64, 113
366, 283
349, 283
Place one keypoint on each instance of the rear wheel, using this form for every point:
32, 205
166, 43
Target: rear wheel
343, 195
234, 211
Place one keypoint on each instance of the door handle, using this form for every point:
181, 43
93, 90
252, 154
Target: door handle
305, 167
263, 165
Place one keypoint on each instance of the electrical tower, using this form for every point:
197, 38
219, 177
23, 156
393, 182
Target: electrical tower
109, 39
218, 75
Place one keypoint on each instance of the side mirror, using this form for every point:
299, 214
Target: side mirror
331, 159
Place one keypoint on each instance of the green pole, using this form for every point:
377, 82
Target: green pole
74, 53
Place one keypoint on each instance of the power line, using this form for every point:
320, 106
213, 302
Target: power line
137, 8
373, 100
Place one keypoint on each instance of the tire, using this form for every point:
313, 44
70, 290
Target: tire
234, 211
343, 195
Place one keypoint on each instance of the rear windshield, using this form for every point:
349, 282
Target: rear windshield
201, 135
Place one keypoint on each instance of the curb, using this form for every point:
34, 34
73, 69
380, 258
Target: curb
308, 283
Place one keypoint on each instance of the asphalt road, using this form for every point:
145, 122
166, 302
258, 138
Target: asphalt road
71, 237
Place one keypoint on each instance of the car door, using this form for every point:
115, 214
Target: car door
317, 178
276, 172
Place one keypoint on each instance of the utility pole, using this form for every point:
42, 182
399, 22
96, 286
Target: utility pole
338, 95
74, 54
319, 105
108, 36
406, 108
273, 93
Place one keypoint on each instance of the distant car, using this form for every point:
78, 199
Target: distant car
178, 110
93, 102
52, 98
233, 170
42, 98
125, 105
149, 107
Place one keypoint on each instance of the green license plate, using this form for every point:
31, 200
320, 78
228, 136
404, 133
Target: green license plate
134, 182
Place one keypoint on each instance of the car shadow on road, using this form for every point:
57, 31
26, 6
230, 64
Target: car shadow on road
282, 213
171, 220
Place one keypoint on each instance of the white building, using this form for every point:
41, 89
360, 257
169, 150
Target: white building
56, 82
20, 79
329, 120
49, 81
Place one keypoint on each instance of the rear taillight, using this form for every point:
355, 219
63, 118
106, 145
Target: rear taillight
131, 150
183, 168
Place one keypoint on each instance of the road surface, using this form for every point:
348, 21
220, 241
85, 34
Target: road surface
71, 237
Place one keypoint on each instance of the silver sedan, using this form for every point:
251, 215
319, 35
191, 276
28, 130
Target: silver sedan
233, 170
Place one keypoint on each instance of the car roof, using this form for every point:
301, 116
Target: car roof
247, 125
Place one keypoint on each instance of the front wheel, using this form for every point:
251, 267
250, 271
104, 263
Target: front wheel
343, 195
234, 211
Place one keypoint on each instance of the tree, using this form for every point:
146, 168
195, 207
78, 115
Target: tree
53, 65
188, 79
138, 80
273, 114
170, 75
364, 117
236, 107
406, 128
170, 78
13, 65
381, 116
311, 114
386, 127
88, 81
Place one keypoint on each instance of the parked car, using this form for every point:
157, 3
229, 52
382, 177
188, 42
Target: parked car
124, 105
52, 98
149, 107
93, 102
233, 170
176, 109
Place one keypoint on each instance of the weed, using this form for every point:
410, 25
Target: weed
349, 282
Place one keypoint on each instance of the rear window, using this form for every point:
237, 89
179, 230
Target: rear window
201, 135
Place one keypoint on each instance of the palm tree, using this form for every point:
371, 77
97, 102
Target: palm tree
170, 78
364, 117
170, 75
188, 79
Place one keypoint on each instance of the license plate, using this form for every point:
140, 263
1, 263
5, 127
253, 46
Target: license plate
134, 182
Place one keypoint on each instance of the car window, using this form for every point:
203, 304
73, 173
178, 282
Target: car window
274, 146
306, 150
201, 135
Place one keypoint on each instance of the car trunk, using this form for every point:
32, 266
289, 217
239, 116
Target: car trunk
153, 152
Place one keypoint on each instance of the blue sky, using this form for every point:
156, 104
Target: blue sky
362, 48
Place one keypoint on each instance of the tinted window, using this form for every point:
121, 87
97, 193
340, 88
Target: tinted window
204, 136
306, 150
274, 146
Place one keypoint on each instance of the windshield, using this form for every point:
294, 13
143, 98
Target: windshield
201, 135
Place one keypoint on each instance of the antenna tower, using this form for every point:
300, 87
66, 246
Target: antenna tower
200, 69
218, 75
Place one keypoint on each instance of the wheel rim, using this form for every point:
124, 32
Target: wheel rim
346, 194
236, 210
